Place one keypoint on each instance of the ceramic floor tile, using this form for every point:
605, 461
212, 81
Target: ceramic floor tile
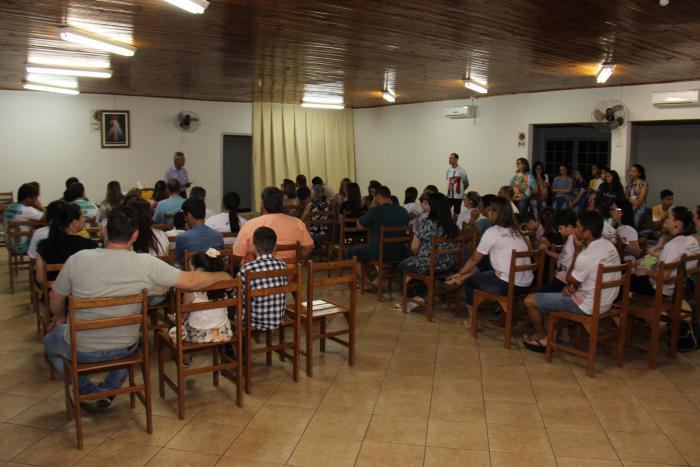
526, 440
447, 457
206, 438
263, 445
323, 450
339, 425
513, 413
390, 455
645, 447
577, 443
384, 429
456, 434
110, 452
282, 418
402, 405
57, 449
520, 459
168, 457
16, 438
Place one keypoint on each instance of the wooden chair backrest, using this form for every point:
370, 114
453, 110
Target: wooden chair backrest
691, 266
350, 278
46, 284
163, 227
293, 209
393, 235
346, 229
233, 299
536, 265
168, 258
601, 284
456, 248
228, 234
293, 247
7, 197
226, 253
669, 274
17, 230
294, 286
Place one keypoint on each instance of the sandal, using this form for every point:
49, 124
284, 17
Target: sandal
539, 345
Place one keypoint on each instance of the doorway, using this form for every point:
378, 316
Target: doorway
238, 168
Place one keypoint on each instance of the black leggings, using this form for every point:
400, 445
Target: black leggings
642, 285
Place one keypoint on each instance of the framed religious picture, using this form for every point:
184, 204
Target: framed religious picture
115, 129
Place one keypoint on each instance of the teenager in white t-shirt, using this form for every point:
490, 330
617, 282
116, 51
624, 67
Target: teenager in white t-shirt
229, 220
681, 226
411, 203
577, 295
622, 216
471, 204
27, 208
498, 242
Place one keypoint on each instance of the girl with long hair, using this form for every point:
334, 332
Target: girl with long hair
498, 241
342, 194
539, 197
228, 220
636, 192
523, 184
352, 207
611, 189
113, 198
289, 191
152, 241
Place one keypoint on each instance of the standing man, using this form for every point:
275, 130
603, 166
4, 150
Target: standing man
457, 183
179, 173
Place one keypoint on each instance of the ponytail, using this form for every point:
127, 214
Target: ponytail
65, 214
231, 202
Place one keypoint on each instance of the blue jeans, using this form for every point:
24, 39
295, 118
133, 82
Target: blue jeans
561, 202
57, 349
523, 206
556, 301
489, 282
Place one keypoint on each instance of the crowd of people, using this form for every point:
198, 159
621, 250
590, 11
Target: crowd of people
581, 221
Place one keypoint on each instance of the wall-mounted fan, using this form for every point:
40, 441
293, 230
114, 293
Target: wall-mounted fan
187, 121
609, 115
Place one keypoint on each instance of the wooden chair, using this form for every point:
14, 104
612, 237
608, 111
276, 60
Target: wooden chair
292, 317
72, 369
229, 237
591, 323
433, 279
158, 313
294, 210
691, 269
291, 260
34, 293
508, 302
179, 348
225, 253
163, 227
320, 310
17, 232
650, 311
349, 233
6, 198
385, 268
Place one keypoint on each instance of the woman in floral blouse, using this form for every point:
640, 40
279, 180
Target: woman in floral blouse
439, 223
317, 210
524, 184
636, 192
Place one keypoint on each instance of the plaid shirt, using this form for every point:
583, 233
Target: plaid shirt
267, 312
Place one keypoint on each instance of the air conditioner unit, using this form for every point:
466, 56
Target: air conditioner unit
463, 111
675, 98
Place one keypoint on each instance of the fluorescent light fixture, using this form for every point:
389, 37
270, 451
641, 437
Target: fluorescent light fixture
41, 87
67, 61
475, 86
52, 80
94, 41
389, 96
320, 99
319, 105
65, 71
193, 6
605, 72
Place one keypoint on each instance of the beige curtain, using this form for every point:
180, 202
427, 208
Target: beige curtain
289, 140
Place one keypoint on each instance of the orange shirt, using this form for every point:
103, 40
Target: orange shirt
289, 230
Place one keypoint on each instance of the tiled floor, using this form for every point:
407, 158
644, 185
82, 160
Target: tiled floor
420, 394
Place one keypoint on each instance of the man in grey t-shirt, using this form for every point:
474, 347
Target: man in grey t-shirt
111, 272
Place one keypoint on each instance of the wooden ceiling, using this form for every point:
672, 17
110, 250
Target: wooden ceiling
244, 50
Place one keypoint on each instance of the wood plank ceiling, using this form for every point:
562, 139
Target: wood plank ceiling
244, 50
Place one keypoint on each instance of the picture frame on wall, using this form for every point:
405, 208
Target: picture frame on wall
116, 132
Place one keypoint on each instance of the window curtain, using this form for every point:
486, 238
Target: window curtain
289, 140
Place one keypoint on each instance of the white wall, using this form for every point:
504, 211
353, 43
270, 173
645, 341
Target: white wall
48, 138
406, 145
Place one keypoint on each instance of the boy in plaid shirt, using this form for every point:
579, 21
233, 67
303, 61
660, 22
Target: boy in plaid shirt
266, 312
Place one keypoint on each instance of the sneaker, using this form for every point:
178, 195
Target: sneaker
98, 406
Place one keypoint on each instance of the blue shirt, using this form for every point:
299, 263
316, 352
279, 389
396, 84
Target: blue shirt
199, 238
167, 206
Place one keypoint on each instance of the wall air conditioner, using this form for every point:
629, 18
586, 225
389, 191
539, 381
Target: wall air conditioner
462, 111
675, 98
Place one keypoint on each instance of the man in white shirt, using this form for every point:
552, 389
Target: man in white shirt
577, 295
457, 182
179, 172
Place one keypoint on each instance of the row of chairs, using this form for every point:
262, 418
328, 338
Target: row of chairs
311, 316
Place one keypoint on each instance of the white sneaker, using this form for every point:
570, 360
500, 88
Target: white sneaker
410, 306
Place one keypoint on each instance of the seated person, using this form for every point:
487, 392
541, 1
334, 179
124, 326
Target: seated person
114, 271
179, 226
386, 213
201, 193
681, 227
288, 230
352, 207
438, 224
27, 208
199, 237
661, 211
410, 203
152, 241
551, 234
170, 205
497, 242
228, 220
422, 211
577, 295
75, 194
42, 233
471, 204
63, 240
266, 312
318, 209
622, 217
506, 192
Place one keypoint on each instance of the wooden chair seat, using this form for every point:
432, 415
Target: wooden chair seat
509, 301
16, 232
385, 268
132, 359
591, 323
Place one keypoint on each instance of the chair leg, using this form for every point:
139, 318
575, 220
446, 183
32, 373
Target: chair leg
550, 339
654, 345
675, 332
322, 342
76, 408
12, 273
404, 292
430, 302
297, 352
161, 370
351, 340
309, 346
621, 339
380, 282
215, 361
592, 349
132, 396
474, 314
66, 388
146, 372
282, 338
180, 386
508, 328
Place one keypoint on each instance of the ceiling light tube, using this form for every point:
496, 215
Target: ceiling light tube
319, 105
66, 71
389, 96
93, 41
193, 6
41, 87
605, 72
475, 86
52, 80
